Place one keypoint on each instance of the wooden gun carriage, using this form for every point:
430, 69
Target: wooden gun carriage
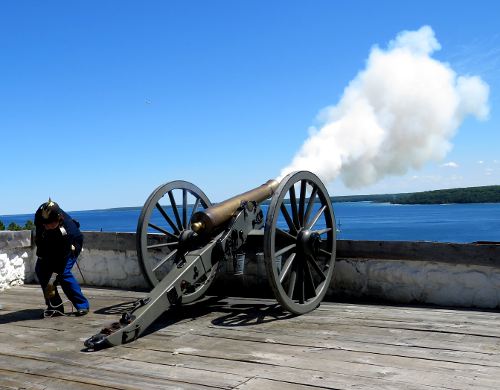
182, 238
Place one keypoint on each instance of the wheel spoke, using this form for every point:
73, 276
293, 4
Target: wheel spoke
285, 235
300, 277
286, 267
288, 220
285, 249
316, 217
302, 201
165, 259
291, 283
195, 206
174, 208
329, 254
310, 204
184, 208
316, 267
310, 288
293, 206
162, 245
167, 218
163, 231
323, 231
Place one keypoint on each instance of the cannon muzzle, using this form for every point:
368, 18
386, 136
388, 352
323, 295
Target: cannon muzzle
209, 219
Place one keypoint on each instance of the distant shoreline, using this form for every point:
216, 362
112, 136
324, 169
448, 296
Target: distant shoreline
483, 194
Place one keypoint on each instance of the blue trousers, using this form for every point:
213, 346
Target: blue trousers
69, 284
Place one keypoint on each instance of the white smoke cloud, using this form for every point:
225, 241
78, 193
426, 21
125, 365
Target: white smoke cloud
398, 113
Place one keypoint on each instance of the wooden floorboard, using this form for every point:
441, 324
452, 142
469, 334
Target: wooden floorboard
237, 343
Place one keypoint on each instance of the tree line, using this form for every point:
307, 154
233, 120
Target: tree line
483, 194
15, 227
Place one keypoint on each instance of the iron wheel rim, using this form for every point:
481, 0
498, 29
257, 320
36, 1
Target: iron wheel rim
163, 220
298, 263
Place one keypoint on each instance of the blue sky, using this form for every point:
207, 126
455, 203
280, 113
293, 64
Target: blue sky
102, 101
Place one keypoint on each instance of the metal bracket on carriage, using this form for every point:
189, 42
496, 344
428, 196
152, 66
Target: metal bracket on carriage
98, 341
139, 303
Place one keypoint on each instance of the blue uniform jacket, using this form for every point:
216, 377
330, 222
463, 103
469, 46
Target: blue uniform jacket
55, 246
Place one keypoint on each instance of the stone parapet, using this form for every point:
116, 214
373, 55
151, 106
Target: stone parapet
445, 274
479, 253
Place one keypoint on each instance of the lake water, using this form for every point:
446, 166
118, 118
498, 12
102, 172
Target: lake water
355, 221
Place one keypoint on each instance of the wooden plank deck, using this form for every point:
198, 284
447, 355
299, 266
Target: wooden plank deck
235, 343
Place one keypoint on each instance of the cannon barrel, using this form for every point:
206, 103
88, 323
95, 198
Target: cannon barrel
207, 220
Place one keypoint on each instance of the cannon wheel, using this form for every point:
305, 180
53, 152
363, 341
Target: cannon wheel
164, 219
300, 255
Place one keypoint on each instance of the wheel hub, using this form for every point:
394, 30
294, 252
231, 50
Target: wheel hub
185, 240
308, 242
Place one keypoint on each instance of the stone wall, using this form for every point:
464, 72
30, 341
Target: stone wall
110, 260
461, 275
15, 258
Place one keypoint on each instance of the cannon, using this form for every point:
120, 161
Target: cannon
182, 238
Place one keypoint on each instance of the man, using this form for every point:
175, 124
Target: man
59, 242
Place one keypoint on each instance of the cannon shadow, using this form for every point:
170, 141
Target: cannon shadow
232, 315
251, 314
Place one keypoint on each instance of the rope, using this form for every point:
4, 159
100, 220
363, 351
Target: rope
54, 311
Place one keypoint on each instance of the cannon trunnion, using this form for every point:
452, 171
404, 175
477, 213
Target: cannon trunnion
182, 238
